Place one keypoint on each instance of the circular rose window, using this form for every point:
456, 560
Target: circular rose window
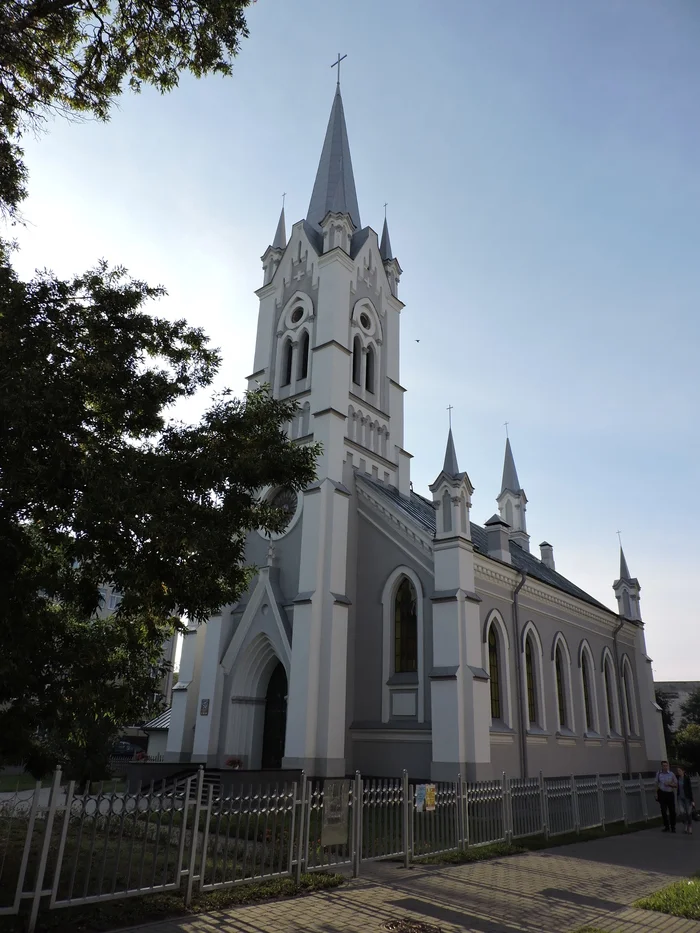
286, 501
365, 321
297, 315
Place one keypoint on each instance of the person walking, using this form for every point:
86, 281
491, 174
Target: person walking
685, 800
666, 787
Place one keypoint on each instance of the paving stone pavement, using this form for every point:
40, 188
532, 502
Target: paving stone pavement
553, 891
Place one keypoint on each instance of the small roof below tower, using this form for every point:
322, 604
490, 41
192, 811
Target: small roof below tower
334, 188
280, 240
510, 474
385, 245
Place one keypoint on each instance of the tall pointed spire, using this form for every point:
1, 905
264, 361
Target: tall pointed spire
450, 465
510, 474
624, 570
334, 188
280, 240
385, 245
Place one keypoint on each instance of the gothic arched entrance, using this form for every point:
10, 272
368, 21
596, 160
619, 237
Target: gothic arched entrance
275, 719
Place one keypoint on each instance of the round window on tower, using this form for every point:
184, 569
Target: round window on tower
289, 503
365, 321
297, 315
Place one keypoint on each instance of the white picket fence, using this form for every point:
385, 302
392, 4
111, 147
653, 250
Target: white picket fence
60, 849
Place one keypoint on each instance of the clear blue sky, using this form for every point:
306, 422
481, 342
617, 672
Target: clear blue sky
540, 160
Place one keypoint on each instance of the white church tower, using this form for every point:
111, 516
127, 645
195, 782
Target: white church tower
627, 590
512, 501
328, 336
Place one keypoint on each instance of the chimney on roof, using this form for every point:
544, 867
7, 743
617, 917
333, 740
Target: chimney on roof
498, 538
547, 555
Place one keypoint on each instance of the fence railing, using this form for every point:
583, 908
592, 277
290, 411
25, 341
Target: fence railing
59, 848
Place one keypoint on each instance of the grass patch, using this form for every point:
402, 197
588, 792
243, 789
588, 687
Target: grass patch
475, 854
97, 918
680, 899
531, 844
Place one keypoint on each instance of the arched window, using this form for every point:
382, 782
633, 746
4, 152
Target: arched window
494, 674
357, 362
630, 719
609, 697
531, 684
405, 629
587, 704
369, 372
287, 363
304, 356
561, 688
446, 511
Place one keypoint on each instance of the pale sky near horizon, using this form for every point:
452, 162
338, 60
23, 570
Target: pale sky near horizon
540, 161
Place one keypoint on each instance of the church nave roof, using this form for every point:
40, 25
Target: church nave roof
421, 511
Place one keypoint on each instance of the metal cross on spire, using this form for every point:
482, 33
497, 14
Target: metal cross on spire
505, 425
619, 537
336, 64
284, 195
449, 414
386, 204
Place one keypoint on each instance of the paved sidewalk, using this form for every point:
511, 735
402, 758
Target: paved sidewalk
554, 891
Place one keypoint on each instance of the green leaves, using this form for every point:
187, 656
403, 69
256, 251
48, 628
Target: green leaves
97, 487
77, 56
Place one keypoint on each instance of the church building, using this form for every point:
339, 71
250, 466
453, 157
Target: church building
386, 630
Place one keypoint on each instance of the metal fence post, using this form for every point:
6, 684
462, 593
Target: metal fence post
407, 813
195, 833
302, 827
623, 797
357, 825
601, 801
574, 805
45, 844
507, 815
543, 805
458, 812
643, 795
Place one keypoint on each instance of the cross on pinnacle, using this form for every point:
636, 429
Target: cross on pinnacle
505, 425
336, 64
449, 414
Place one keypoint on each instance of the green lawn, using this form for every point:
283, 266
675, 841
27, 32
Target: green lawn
680, 899
96, 918
531, 844
9, 783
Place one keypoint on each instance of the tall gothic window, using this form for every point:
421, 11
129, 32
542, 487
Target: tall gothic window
494, 674
287, 363
561, 688
609, 698
357, 361
530, 676
369, 372
304, 356
405, 629
628, 701
587, 707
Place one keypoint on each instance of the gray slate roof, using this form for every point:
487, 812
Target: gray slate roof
421, 511
334, 188
510, 474
160, 722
